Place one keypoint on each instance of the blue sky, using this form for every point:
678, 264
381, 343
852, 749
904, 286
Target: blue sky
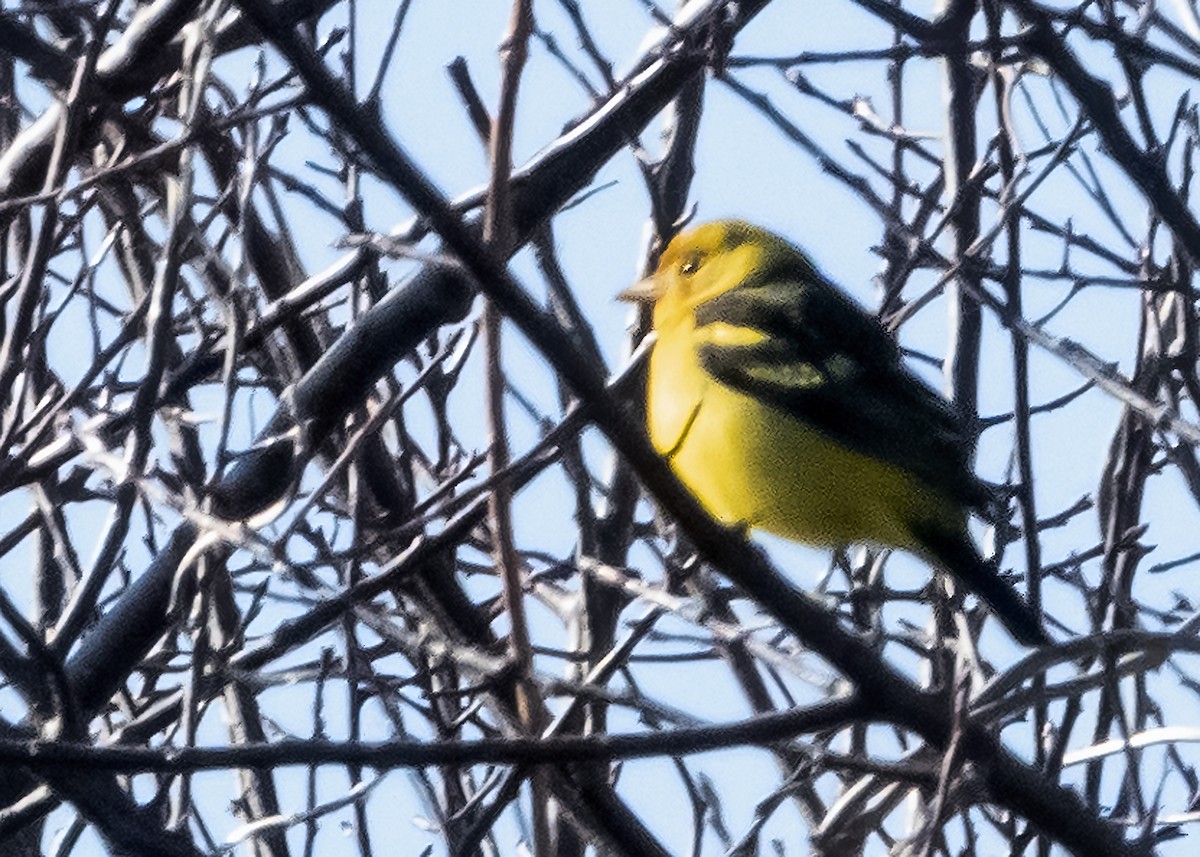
745, 168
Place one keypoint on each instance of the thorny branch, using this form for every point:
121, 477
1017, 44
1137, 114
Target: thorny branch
245, 466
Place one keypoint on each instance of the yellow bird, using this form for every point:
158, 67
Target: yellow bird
785, 407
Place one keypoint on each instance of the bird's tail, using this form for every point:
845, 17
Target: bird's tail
955, 553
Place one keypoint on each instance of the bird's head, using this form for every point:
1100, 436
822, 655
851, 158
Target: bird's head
705, 262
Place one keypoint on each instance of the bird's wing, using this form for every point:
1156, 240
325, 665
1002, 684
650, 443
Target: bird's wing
827, 363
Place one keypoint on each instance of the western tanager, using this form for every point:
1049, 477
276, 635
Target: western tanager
784, 406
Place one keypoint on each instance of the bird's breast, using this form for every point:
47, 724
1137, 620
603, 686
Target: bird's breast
752, 465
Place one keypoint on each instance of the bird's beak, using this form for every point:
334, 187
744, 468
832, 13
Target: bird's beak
645, 291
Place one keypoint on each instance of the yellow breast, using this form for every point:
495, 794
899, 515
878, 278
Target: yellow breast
750, 464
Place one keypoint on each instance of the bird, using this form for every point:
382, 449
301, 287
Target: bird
784, 406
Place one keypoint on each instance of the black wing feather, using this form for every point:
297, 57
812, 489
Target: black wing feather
829, 364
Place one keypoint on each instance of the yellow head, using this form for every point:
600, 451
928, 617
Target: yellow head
704, 262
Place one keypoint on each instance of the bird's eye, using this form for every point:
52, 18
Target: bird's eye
690, 264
